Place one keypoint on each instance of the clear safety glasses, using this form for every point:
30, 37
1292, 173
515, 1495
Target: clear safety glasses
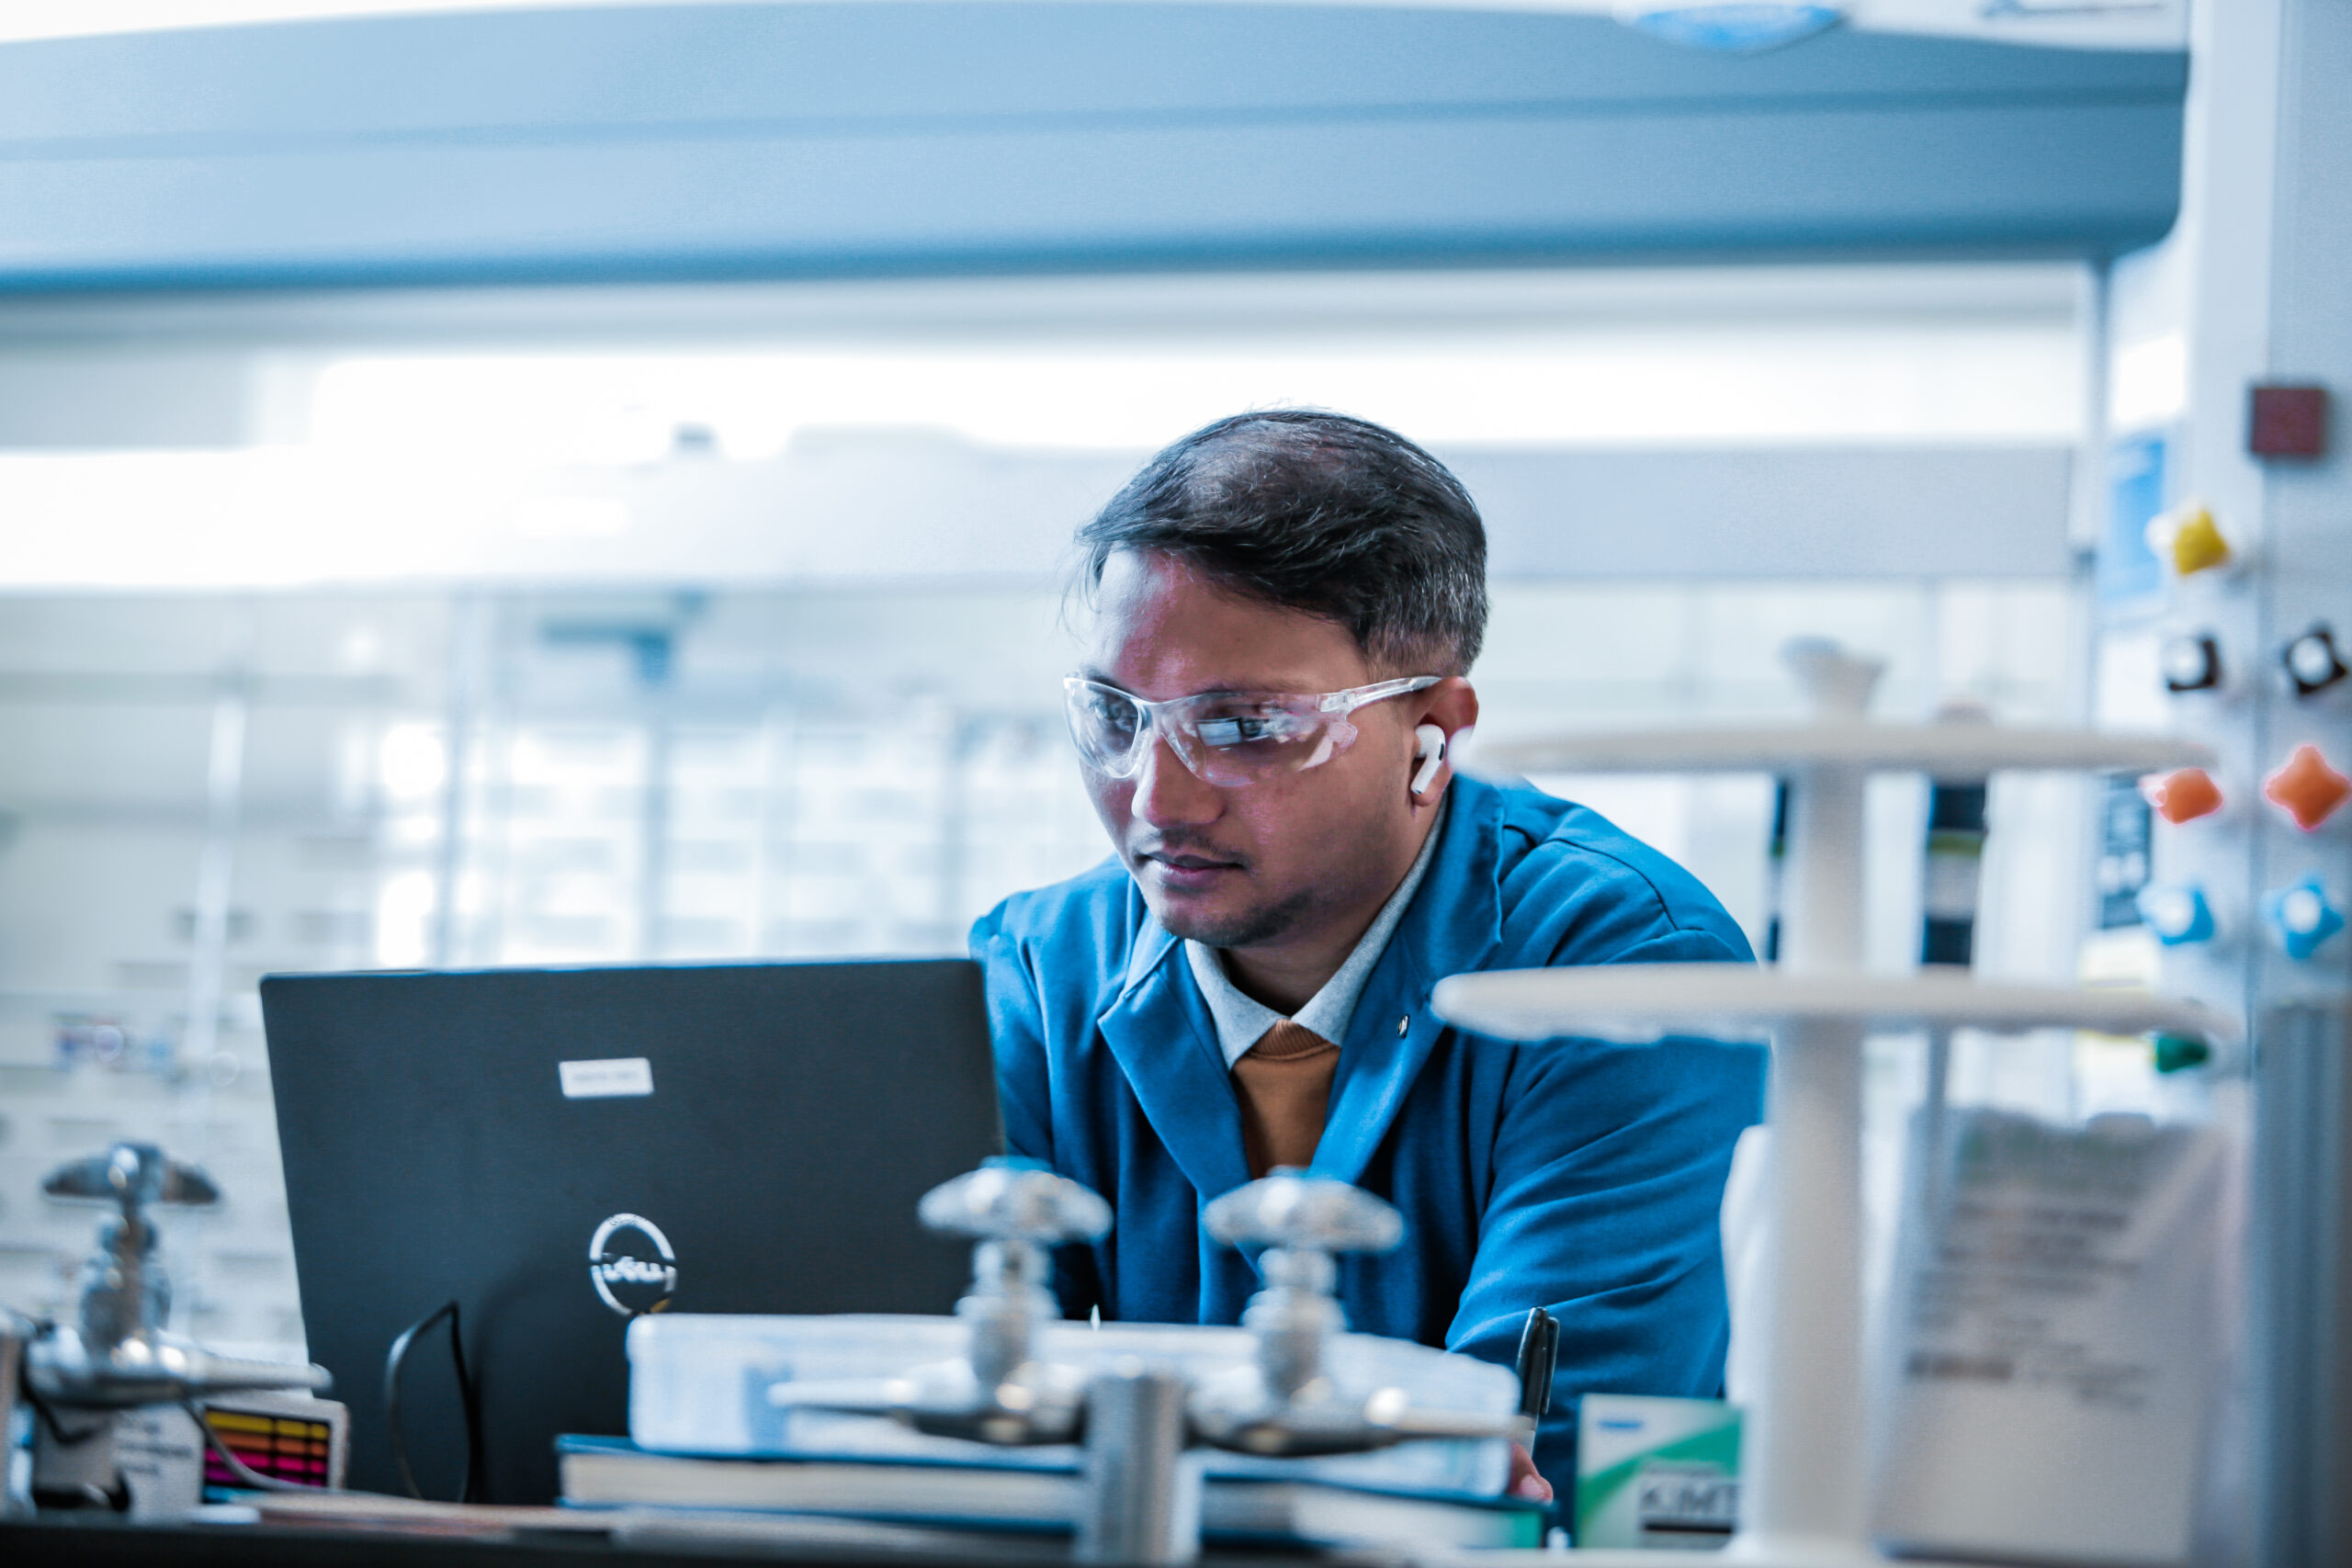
1224, 737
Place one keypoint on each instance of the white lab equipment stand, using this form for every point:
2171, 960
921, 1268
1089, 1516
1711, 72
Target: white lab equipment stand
1804, 1502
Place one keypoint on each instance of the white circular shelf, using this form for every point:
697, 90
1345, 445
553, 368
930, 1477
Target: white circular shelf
1643, 1002
1951, 750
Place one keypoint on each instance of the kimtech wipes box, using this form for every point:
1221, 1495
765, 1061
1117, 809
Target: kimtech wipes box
1656, 1472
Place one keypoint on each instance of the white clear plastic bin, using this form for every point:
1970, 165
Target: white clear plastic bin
698, 1384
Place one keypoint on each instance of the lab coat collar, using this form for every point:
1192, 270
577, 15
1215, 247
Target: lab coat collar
1159, 1030
1160, 1033
1454, 924
1152, 944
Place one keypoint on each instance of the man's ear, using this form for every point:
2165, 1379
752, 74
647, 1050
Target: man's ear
1451, 707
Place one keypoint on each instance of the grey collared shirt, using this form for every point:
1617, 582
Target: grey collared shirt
1241, 1022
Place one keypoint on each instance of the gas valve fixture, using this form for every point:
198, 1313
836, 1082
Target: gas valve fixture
1137, 1421
997, 1392
116, 1356
1286, 1403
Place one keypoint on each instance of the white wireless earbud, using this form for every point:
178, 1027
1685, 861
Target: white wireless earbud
1428, 745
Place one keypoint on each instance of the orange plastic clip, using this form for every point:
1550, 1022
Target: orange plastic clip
2307, 789
2183, 797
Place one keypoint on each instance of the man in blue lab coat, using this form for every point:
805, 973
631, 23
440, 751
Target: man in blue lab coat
1286, 608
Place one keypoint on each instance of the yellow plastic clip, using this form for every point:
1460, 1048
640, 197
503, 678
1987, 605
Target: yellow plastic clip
2197, 542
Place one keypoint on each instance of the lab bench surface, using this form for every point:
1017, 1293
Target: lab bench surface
114, 1543
107, 1543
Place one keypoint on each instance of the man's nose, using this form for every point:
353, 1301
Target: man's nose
1166, 793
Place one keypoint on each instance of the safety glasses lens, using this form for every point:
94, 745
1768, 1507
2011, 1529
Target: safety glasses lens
1106, 724
1240, 738
1224, 738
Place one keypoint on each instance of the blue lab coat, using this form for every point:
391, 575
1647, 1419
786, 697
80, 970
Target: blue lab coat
1577, 1175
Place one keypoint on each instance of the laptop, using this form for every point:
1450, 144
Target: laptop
557, 1150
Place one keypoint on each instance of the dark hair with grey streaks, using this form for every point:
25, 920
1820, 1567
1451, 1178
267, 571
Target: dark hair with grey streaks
1321, 512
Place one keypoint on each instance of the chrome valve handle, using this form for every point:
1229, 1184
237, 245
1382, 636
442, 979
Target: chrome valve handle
149, 1367
1299, 1212
1015, 1199
132, 1175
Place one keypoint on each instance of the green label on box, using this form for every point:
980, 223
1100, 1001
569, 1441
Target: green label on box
1656, 1472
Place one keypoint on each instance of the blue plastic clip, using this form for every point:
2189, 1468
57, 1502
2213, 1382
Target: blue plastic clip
2302, 917
2177, 915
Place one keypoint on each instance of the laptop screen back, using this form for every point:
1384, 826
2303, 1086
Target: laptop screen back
745, 1138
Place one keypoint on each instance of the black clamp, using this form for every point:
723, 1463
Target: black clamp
2191, 662
2312, 660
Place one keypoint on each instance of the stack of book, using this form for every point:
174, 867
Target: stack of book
613, 1472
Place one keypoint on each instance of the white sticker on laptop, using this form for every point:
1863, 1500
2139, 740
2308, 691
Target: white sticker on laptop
612, 1078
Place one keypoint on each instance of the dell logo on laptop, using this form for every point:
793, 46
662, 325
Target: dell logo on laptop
629, 1285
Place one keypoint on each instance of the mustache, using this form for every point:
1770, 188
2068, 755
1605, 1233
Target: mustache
1162, 845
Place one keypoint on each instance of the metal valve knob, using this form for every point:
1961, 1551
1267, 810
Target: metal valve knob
132, 1175
1015, 1199
1299, 1212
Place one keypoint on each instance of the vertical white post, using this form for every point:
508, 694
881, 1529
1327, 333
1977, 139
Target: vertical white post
216, 878
1803, 1501
467, 619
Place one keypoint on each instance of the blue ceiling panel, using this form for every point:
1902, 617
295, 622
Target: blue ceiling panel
811, 139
